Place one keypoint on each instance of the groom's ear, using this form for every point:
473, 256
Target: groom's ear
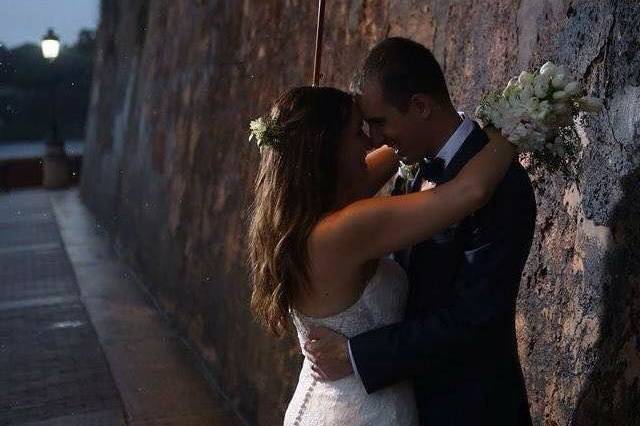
421, 105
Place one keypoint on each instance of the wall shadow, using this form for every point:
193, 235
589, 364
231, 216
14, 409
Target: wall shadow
611, 395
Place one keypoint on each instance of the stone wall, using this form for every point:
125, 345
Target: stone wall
168, 169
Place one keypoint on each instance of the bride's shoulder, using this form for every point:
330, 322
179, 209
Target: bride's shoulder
329, 250
340, 228
332, 237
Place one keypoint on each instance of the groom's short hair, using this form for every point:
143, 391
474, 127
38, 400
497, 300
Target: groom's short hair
403, 68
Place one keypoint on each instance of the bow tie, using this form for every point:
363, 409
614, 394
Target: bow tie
431, 171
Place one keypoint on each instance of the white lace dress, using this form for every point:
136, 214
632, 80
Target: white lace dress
345, 401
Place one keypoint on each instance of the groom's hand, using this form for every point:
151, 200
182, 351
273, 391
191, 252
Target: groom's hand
329, 354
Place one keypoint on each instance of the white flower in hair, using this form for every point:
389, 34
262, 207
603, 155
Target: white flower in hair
264, 132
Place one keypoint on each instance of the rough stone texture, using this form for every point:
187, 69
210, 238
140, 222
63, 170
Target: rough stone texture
168, 168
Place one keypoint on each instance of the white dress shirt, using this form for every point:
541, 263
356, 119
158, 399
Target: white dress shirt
447, 152
451, 148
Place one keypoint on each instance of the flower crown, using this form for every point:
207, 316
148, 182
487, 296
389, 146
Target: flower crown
265, 132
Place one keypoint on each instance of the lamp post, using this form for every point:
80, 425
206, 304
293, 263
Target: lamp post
318, 51
56, 165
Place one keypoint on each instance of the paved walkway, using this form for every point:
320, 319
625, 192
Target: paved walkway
81, 343
21, 150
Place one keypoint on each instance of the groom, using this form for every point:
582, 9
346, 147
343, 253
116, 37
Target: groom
458, 342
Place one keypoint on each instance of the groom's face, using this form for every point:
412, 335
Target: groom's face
390, 126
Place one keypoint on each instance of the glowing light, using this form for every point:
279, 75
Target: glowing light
50, 45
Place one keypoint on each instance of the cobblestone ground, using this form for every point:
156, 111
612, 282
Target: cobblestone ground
81, 342
52, 367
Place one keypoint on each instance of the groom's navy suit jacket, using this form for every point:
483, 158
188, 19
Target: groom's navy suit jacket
458, 341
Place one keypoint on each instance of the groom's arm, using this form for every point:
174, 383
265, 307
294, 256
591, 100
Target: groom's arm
488, 284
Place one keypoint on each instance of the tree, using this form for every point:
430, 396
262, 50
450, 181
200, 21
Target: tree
26, 80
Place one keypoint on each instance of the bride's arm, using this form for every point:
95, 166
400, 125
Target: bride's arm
382, 164
370, 228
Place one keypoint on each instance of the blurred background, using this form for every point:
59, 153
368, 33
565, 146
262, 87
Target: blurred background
34, 88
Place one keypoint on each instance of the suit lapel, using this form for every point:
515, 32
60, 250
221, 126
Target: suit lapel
401, 256
476, 140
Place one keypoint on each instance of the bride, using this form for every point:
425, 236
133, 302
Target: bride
319, 240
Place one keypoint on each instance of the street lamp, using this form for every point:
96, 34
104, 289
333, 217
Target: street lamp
56, 164
50, 45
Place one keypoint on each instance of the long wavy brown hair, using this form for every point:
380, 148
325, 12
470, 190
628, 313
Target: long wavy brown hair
295, 186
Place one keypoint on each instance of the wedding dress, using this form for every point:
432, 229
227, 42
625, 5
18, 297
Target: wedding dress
345, 401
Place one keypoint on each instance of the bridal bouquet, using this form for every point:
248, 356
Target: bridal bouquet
536, 112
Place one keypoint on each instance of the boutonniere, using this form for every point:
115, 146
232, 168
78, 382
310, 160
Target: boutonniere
408, 172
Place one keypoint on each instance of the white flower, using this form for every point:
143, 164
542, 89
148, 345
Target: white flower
258, 127
408, 171
572, 88
540, 90
544, 109
511, 86
558, 82
534, 108
541, 86
527, 90
559, 78
560, 95
525, 78
520, 131
548, 69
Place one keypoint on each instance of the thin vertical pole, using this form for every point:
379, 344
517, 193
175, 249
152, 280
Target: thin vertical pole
318, 56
